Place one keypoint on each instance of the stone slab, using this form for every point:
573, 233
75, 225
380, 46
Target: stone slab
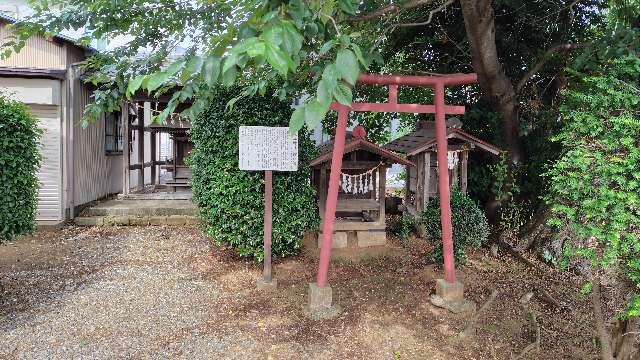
371, 238
339, 240
139, 221
116, 220
176, 220
89, 221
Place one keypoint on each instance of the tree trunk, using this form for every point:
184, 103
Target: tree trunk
498, 88
604, 335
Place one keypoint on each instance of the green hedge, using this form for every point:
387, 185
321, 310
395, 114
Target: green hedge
231, 201
470, 226
19, 161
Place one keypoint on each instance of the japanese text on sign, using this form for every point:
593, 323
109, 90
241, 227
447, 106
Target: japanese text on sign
268, 148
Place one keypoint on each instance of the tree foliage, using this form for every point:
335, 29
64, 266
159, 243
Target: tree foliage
19, 161
231, 200
595, 185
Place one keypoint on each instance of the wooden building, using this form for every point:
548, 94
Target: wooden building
78, 163
361, 199
421, 182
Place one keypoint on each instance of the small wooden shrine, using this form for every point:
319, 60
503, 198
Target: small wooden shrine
420, 147
360, 212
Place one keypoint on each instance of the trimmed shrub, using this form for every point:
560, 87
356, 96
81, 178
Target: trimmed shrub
19, 161
231, 201
470, 226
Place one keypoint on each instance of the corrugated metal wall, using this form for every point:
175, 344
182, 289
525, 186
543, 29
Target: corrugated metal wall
93, 170
39, 53
50, 173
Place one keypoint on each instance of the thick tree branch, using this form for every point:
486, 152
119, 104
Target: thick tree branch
547, 55
392, 8
438, 9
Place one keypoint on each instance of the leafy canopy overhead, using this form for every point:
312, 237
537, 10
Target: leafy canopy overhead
194, 45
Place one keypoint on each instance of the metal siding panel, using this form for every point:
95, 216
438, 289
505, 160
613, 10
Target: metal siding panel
92, 176
38, 53
49, 192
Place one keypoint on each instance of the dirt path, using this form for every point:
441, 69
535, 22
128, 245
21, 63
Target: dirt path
159, 292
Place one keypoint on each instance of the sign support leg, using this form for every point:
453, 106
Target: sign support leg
267, 281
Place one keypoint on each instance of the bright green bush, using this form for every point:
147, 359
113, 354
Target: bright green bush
470, 226
19, 161
231, 201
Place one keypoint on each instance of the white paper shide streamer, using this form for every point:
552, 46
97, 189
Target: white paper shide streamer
358, 183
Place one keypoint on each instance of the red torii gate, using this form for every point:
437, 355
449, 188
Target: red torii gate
320, 293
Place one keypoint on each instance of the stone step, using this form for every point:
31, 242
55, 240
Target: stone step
141, 208
171, 220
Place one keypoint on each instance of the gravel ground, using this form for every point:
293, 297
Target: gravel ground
161, 292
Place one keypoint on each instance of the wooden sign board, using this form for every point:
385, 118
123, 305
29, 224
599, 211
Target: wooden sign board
268, 148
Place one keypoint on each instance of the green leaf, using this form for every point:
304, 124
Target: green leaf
297, 120
358, 52
272, 35
291, 38
174, 68
278, 59
155, 80
330, 76
134, 85
326, 47
192, 67
314, 113
343, 94
229, 76
347, 65
325, 92
347, 6
211, 70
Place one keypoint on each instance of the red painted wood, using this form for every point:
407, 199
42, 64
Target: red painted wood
393, 94
332, 197
401, 108
267, 273
443, 186
446, 80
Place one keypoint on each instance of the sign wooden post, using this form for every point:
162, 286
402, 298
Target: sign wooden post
267, 149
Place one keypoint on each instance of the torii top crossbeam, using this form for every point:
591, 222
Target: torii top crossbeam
440, 109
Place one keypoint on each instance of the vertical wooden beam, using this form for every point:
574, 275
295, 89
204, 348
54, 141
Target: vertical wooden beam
332, 196
322, 188
407, 185
268, 216
463, 170
427, 178
152, 146
126, 156
455, 181
419, 183
141, 116
382, 189
443, 186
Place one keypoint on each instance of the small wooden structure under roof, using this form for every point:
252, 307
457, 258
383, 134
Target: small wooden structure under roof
361, 198
420, 147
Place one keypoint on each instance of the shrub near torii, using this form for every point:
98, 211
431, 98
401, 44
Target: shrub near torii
231, 201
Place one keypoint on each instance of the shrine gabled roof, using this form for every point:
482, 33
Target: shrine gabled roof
353, 144
425, 138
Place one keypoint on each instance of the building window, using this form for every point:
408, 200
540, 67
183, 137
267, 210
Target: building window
113, 134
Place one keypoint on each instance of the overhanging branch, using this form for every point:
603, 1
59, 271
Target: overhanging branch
392, 8
547, 55
440, 8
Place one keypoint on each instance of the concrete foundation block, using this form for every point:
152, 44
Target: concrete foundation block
139, 221
339, 240
449, 291
176, 220
116, 220
89, 221
320, 302
263, 284
157, 220
192, 220
371, 238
